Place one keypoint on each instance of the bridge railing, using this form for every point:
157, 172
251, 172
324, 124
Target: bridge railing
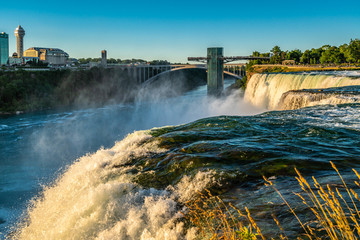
143, 72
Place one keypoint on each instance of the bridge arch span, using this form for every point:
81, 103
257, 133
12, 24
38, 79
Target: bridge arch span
175, 82
168, 73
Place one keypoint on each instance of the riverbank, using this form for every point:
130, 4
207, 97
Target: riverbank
26, 91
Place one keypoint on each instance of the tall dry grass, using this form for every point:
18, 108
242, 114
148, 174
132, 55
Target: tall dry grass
337, 214
217, 220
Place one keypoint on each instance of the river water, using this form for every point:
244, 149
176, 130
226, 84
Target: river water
38, 147
77, 184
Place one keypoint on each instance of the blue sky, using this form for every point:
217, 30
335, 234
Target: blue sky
175, 30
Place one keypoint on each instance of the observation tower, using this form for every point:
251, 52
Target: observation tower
19, 34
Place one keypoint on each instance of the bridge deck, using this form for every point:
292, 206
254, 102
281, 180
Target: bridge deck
229, 59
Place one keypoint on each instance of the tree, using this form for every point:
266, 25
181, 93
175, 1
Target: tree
306, 57
343, 48
294, 55
276, 50
325, 47
277, 55
315, 55
332, 55
325, 54
353, 51
256, 54
111, 60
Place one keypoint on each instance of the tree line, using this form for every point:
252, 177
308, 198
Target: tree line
327, 54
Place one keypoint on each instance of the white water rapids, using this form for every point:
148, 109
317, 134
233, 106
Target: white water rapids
294, 100
96, 199
266, 90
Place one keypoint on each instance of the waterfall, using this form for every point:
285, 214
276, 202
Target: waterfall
96, 198
266, 90
305, 98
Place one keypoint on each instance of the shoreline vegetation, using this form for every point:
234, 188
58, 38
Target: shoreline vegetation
326, 58
325, 55
26, 91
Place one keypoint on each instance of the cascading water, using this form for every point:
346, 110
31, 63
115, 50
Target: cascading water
97, 198
295, 99
266, 90
38, 148
137, 188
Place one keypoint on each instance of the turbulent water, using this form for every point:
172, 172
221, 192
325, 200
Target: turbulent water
37, 147
137, 188
295, 99
266, 90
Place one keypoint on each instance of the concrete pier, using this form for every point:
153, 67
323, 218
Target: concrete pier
215, 66
215, 74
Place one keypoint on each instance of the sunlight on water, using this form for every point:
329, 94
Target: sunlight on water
96, 199
266, 90
137, 188
43, 144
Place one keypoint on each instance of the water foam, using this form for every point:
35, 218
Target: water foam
97, 199
294, 100
187, 187
347, 117
266, 90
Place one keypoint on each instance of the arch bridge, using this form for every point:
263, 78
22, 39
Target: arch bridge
216, 63
144, 72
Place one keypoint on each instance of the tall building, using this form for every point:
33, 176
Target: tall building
19, 34
4, 48
52, 56
103, 58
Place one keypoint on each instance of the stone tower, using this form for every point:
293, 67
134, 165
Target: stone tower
19, 34
215, 73
104, 58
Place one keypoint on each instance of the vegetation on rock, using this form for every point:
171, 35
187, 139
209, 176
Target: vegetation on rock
36, 90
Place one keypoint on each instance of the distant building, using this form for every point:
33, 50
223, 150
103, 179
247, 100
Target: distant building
30, 59
15, 61
103, 58
19, 34
288, 62
52, 56
4, 48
